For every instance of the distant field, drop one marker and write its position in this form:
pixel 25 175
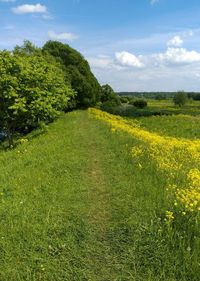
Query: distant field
pixel 182 123
pixel 181 126
pixel 192 107
pixel 155 107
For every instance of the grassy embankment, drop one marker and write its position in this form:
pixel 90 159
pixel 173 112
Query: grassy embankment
pixel 75 205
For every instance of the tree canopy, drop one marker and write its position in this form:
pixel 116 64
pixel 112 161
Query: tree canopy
pixel 31 91
pixel 37 84
pixel 78 72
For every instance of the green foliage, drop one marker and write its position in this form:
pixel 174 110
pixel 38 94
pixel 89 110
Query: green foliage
pixel 26 49
pixel 160 97
pixel 180 98
pixel 124 99
pixel 78 71
pixel 140 103
pixel 131 101
pixel 108 96
pixel 31 91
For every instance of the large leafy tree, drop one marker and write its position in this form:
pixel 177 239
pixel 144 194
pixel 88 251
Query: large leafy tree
pixel 31 91
pixel 78 71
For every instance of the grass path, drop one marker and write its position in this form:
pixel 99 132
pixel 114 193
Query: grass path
pixel 75 206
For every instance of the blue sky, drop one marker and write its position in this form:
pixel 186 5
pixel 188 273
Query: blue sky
pixel 134 45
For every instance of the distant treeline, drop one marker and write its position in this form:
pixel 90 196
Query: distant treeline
pixel 158 95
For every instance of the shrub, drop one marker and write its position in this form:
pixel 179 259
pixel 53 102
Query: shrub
pixel 124 100
pixel 180 98
pixel 140 103
pixel 131 101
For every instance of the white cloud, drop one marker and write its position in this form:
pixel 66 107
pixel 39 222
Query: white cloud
pixel 153 2
pixel 104 62
pixel 177 56
pixel 176 41
pixel 30 9
pixel 159 74
pixel 62 36
pixel 128 59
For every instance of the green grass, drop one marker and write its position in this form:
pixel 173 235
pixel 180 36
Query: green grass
pixel 76 206
pixel 184 126
pixel 168 107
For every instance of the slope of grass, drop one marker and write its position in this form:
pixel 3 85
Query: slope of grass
pixel 76 206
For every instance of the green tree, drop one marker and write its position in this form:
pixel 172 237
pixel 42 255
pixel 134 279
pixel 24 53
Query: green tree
pixel 27 48
pixel 78 72
pixel 108 95
pixel 180 98
pixel 31 91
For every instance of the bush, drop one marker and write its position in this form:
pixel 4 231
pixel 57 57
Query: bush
pixel 180 98
pixel 109 104
pixel 124 99
pixel 131 101
pixel 140 103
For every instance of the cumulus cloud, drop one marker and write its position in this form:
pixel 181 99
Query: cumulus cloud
pixel 177 56
pixel 128 59
pixel 176 41
pixel 62 36
pixel 30 9
pixel 104 62
pixel 159 74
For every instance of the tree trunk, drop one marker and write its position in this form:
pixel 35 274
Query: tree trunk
pixel 10 138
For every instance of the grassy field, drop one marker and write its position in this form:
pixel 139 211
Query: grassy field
pixel 157 108
pixel 76 205
pixel 191 108
pixel 184 126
